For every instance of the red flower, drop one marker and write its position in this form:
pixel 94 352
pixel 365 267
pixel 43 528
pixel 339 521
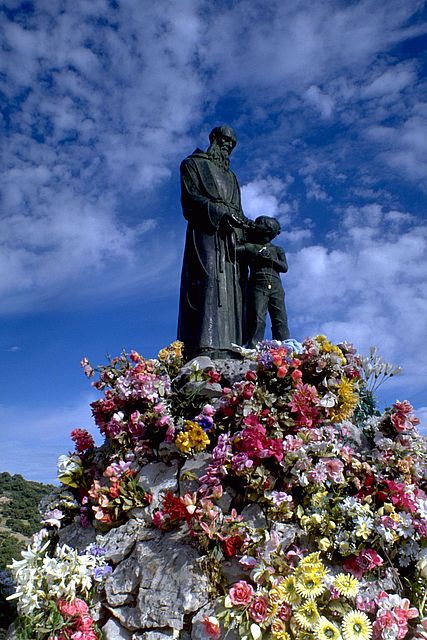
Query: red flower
pixel 82 439
pixel 214 376
pixel 174 508
pixel 367 560
pixel 231 545
pixel 251 376
pixel 211 627
pixel 248 391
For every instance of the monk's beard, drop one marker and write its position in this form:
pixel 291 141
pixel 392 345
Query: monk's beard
pixel 219 156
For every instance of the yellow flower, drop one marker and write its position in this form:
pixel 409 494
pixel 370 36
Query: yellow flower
pixel 346 585
pixel 177 347
pixel 307 616
pixel 356 626
pixel 198 438
pixel 363 530
pixel 289 592
pixel 347 401
pixel 318 498
pixel 310 585
pixel 193 438
pixel 328 347
pixel 163 355
pixel 182 442
pixel 324 544
pixel 326 630
pixel 276 595
pixel 311 564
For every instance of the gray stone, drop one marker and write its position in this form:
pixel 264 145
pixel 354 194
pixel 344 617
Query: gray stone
pixel 201 363
pixel 113 630
pixel 156 635
pixel 254 516
pixel 165 581
pixel 119 542
pixel 169 453
pixel 193 468
pixel 232 571
pixel 234 370
pixel 76 536
pixel 11 633
pixel 158 478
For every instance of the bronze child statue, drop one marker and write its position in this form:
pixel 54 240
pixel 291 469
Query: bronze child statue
pixel 265 291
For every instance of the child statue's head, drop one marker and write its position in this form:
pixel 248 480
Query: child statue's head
pixel 266 228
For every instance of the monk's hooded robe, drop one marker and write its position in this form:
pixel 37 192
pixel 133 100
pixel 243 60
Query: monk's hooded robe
pixel 210 310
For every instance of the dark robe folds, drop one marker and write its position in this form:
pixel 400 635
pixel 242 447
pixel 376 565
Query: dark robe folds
pixel 210 310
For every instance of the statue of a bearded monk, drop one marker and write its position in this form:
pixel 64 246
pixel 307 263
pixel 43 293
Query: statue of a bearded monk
pixel 210 310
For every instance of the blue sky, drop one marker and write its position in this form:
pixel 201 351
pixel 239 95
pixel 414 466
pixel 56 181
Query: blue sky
pixel 101 102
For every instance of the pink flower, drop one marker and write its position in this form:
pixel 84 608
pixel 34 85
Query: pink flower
pixel 402 419
pixel 84 635
pixel 282 371
pixel 296 375
pixel 84 622
pixel 258 609
pixel 334 469
pixel 211 627
pixel 248 390
pixel 73 608
pixel 405 611
pixel 384 621
pixel 367 560
pixel 241 593
pixel 208 410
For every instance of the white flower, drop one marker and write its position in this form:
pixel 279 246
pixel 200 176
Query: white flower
pixel 422 564
pixel 68 467
pixel 422 508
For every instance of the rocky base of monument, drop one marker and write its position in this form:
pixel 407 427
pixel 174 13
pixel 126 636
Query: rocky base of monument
pixel 265 497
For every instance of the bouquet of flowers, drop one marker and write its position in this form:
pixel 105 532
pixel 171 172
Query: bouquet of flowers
pixel 53 590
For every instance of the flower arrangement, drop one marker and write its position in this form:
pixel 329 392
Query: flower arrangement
pixel 339 550
pixel 53 590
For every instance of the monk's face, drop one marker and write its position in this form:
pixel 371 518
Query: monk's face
pixel 225 143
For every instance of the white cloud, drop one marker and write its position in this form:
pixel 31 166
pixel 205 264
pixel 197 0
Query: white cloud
pixel 390 82
pixel 369 286
pixel 404 146
pixel 421 413
pixel 321 101
pixel 301 44
pixel 265 197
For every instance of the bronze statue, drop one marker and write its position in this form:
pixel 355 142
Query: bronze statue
pixel 265 291
pixel 210 310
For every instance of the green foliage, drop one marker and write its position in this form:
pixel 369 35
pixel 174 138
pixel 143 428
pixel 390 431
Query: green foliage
pixel 19 513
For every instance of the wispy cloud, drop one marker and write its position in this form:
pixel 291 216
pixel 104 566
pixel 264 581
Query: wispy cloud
pixel 84 139
pixel 368 285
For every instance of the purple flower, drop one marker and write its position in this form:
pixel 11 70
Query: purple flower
pixel 241 461
pixel 205 422
pixel 100 573
pixel 94 550
pixel 278 497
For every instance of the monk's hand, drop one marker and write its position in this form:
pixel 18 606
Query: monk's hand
pixel 233 221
